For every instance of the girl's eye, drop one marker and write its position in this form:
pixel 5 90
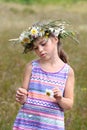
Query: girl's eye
pixel 44 43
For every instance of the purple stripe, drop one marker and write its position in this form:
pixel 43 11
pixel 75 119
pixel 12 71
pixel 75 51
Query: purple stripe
pixel 39 125
pixel 28 110
pixel 56 75
pixel 46 104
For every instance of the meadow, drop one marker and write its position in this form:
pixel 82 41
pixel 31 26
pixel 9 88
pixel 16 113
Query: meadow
pixel 43 1
pixel 14 18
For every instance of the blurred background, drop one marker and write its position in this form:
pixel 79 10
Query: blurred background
pixel 16 16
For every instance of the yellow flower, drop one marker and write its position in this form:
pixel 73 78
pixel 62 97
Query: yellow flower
pixel 34 31
pixel 47 34
pixel 46 37
pixel 26 40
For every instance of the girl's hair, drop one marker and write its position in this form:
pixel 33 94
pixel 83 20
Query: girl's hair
pixel 63 56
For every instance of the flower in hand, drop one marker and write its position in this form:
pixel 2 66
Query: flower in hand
pixel 21 95
pixel 49 93
pixel 57 93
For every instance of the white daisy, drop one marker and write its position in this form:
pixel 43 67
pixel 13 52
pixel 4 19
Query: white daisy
pixel 49 93
pixel 51 29
pixel 23 36
pixel 57 32
pixel 34 32
pixel 41 32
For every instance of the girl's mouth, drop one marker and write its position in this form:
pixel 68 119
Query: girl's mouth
pixel 43 55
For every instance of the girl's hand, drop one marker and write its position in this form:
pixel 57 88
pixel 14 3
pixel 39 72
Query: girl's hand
pixel 57 94
pixel 21 95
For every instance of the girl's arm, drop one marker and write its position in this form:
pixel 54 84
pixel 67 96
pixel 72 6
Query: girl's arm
pixel 27 75
pixel 21 93
pixel 66 102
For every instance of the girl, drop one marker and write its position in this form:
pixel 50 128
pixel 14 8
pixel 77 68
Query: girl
pixel 48 85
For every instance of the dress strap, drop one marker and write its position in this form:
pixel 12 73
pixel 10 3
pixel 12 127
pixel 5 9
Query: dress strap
pixel 35 66
pixel 35 63
pixel 66 70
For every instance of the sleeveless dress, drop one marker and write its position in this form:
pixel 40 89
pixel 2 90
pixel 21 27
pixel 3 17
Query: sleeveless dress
pixel 41 112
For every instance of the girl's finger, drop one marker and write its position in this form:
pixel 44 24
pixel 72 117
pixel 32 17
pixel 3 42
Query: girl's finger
pixel 22 91
pixel 19 93
pixel 19 96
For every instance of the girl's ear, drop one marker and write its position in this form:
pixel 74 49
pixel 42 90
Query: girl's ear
pixel 55 39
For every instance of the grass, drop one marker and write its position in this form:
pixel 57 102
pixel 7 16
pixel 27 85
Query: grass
pixel 14 18
pixel 43 2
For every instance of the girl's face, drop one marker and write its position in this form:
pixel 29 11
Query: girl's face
pixel 45 48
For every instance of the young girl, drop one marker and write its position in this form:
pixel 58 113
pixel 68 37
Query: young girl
pixel 48 85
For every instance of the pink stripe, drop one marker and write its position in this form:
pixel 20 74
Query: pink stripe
pixel 21 128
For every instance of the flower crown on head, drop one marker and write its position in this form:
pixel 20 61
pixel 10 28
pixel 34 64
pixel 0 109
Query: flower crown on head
pixel 56 28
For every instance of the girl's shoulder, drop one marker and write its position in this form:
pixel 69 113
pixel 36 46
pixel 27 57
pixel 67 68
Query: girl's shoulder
pixel 28 67
pixel 71 70
pixel 70 74
pixel 30 64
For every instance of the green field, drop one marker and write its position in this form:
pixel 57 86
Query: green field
pixel 43 1
pixel 14 18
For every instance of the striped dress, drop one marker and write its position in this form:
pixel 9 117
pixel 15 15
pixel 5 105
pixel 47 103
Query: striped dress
pixel 41 112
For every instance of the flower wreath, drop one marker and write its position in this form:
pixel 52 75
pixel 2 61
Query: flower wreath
pixel 57 28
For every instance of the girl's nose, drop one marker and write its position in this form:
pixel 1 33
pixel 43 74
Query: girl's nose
pixel 40 48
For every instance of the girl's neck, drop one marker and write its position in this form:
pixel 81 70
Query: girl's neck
pixel 51 65
pixel 51 61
